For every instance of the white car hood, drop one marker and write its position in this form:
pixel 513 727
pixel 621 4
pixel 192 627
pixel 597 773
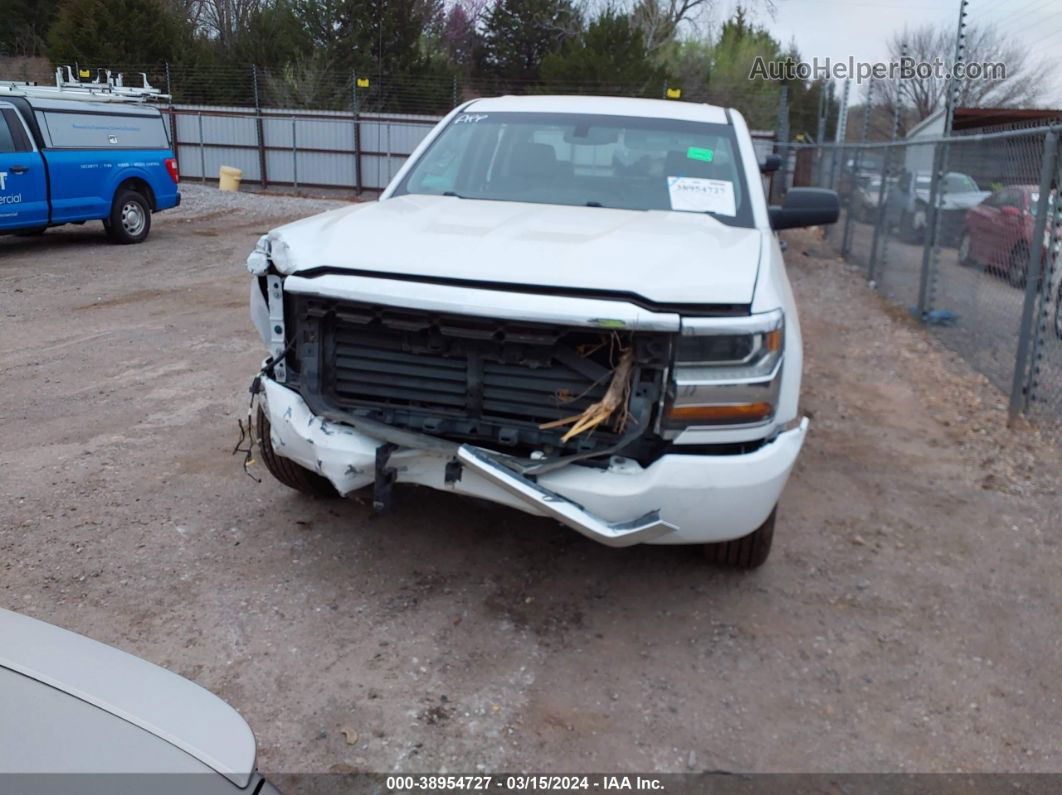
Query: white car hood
pixel 665 257
pixel 956 201
pixel 160 702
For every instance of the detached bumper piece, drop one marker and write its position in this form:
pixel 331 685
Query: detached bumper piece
pixel 613 534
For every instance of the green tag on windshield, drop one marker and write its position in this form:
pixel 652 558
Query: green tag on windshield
pixel 696 153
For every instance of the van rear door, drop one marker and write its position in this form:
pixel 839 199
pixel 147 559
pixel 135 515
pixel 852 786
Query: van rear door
pixel 23 182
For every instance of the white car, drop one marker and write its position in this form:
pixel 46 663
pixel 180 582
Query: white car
pixel 81 717
pixel 575 306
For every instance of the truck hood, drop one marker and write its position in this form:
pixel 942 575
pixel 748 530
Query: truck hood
pixel 664 257
pixel 956 201
pixel 163 704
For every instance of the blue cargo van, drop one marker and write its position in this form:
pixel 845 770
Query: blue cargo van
pixel 66 160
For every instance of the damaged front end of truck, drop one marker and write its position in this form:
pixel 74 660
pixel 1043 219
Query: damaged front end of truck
pixel 501 399
pixel 556 403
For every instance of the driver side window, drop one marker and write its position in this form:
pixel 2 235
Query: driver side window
pixel 13 137
pixel 7 140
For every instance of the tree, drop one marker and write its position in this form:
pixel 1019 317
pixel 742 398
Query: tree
pixel 740 43
pixel 225 21
pixel 659 20
pixel 459 38
pixel 920 97
pixel 519 34
pixel 269 36
pixel 101 32
pixel 717 71
pixel 611 51
pixel 371 36
pixel 25 26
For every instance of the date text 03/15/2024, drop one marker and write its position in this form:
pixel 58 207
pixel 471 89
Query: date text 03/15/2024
pixel 523 782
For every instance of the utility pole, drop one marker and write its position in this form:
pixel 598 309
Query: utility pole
pixel 876 244
pixel 839 136
pixel 825 100
pixel 868 100
pixel 940 167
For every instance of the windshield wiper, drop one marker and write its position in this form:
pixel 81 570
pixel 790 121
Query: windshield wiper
pixel 455 195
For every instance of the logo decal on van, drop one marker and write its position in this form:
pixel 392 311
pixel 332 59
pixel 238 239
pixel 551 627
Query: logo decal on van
pixel 15 198
pixel 112 139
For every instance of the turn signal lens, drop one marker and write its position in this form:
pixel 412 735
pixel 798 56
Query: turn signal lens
pixel 738 413
pixel 772 340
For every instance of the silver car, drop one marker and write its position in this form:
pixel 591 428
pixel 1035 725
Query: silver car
pixel 85 718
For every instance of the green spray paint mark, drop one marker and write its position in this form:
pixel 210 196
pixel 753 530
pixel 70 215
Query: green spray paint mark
pixel 696 153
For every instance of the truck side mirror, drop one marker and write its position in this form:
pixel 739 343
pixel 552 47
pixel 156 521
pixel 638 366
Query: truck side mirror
pixel 770 164
pixel 806 207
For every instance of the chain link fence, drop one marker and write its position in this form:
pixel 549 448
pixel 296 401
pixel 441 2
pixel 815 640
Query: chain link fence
pixel 963 233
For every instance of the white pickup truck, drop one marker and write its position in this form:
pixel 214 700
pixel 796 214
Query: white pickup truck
pixel 574 306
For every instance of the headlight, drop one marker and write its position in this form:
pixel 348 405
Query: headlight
pixel 258 260
pixel 727 371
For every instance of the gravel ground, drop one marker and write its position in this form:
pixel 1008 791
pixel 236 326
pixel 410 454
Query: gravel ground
pixel 202 203
pixel 907 620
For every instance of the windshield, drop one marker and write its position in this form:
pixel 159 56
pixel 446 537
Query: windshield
pixel 587 161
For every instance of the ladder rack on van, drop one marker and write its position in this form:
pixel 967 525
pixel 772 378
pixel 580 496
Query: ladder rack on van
pixel 105 88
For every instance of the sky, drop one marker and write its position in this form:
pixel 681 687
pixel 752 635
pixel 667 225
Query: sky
pixel 862 28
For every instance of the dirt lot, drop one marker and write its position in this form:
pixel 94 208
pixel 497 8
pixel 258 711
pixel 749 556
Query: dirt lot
pixel 907 620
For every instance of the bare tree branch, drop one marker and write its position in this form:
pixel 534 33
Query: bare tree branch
pixel 920 97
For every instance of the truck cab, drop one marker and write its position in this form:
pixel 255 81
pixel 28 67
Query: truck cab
pixel 71 155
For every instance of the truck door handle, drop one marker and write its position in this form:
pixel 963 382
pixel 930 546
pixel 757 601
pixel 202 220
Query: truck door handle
pixel 19 169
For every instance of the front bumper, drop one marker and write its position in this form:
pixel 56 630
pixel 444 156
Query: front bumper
pixel 678 499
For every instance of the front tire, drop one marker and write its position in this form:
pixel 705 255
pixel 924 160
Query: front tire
pixel 965 257
pixel 907 231
pixel 1018 266
pixel 747 552
pixel 287 471
pixel 130 218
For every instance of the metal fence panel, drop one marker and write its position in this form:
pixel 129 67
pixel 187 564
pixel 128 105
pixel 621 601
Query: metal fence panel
pixel 298 147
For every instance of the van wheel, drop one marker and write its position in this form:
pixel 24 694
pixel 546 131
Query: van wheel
pixel 287 471
pixel 747 552
pixel 130 218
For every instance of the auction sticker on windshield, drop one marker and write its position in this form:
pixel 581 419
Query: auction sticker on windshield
pixel 696 195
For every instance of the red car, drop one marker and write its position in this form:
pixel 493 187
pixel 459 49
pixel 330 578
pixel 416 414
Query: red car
pixel 998 232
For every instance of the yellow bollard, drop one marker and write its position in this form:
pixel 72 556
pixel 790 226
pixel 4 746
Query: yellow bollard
pixel 229 178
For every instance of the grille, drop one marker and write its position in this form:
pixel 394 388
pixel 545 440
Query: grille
pixel 464 377
pixel 468 369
